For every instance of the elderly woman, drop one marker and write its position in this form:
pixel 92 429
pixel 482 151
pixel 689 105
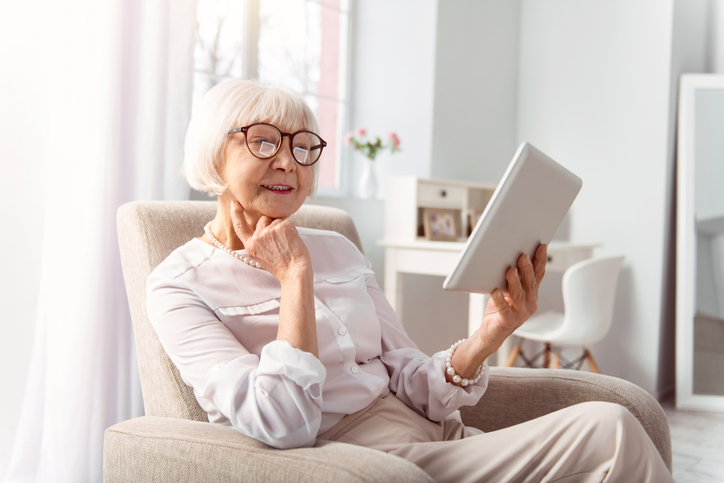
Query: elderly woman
pixel 284 334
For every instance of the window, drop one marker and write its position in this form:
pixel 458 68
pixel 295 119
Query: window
pixel 299 44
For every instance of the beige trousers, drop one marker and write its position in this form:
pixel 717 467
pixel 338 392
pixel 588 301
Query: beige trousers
pixel 588 442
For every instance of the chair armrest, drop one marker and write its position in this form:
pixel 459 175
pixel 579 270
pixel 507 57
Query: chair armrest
pixel 516 395
pixel 155 449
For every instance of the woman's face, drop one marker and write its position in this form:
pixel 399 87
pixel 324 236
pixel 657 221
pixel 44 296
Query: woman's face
pixel 275 187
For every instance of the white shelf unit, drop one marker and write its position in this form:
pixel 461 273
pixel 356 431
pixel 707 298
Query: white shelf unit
pixel 408 196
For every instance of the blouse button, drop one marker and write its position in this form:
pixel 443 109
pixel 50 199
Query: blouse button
pixel 355 369
pixel 342 331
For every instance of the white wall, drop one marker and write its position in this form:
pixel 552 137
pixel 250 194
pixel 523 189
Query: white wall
pixel 594 91
pixel 597 92
pixel 691 50
pixel 473 138
pixel 443 74
pixel 716 41
pixel 393 54
pixel 476 65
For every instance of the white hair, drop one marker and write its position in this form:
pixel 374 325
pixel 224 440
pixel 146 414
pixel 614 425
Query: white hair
pixel 230 105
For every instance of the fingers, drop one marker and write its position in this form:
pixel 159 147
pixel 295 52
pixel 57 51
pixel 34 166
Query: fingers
pixel 527 272
pixel 515 287
pixel 264 222
pixel 539 263
pixel 499 300
pixel 241 227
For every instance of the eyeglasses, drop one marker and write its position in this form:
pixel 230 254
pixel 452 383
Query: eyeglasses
pixel 265 140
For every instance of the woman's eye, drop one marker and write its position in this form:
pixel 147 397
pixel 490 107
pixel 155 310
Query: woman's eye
pixel 260 141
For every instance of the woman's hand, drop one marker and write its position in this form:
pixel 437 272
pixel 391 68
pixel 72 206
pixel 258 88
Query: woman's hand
pixel 275 244
pixel 504 313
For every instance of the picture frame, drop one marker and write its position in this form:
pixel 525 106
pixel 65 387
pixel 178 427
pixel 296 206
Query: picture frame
pixel 473 217
pixel 440 224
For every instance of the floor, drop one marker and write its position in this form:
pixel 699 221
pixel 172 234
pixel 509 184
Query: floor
pixel 697 438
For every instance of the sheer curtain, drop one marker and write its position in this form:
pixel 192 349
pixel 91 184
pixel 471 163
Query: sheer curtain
pixel 119 98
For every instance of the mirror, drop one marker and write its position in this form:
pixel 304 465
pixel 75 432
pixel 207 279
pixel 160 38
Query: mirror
pixel 700 244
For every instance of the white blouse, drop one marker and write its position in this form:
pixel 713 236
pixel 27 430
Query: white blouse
pixel 217 319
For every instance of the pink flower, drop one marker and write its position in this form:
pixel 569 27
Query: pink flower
pixel 360 132
pixel 347 138
pixel 394 139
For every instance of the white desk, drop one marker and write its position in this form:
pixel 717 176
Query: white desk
pixel 439 258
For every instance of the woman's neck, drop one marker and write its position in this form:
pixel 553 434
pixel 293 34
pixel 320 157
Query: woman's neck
pixel 223 230
pixel 222 227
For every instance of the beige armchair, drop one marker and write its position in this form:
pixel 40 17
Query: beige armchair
pixel 174 441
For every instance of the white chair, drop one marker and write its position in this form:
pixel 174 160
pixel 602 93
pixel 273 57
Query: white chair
pixel 588 288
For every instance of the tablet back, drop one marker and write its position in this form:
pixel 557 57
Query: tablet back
pixel 525 210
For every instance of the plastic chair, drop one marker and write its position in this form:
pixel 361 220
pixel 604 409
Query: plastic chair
pixel 589 288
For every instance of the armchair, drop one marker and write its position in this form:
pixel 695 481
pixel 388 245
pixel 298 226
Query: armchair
pixel 174 441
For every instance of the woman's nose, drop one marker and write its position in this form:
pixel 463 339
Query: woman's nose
pixel 284 160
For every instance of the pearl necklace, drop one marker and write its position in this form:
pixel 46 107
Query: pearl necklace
pixel 228 250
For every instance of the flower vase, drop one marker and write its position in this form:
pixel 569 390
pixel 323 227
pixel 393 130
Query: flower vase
pixel 368 181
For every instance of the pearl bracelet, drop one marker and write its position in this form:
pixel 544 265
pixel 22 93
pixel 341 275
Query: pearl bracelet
pixel 451 370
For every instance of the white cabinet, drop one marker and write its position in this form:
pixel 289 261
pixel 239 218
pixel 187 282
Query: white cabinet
pixel 407 198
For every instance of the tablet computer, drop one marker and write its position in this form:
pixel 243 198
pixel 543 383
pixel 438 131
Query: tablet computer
pixel 525 210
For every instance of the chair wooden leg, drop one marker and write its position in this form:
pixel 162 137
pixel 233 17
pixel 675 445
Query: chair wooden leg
pixel 591 362
pixel 556 364
pixel 547 356
pixel 513 356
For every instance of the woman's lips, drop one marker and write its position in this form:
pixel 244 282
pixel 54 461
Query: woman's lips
pixel 280 189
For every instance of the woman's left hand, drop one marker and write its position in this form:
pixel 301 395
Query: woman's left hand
pixel 504 313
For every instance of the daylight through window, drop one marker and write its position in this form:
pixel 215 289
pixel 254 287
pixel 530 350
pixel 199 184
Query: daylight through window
pixel 299 44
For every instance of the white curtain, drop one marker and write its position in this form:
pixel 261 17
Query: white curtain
pixel 119 89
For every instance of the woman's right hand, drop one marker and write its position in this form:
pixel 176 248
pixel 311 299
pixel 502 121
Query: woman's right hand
pixel 274 243
pixel 279 249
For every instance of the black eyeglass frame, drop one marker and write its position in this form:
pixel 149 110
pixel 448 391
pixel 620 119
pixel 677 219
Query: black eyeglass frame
pixel 283 135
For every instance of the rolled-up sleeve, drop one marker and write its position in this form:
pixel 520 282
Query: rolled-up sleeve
pixel 275 397
pixel 417 379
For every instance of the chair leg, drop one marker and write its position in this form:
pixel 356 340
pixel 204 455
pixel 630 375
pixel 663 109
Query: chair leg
pixel 591 362
pixel 547 356
pixel 513 356
pixel 556 364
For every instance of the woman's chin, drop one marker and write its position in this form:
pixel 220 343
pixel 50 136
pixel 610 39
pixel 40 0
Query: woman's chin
pixel 282 210
pixel 278 213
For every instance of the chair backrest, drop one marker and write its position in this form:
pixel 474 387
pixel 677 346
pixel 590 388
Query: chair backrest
pixel 589 288
pixel 148 231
